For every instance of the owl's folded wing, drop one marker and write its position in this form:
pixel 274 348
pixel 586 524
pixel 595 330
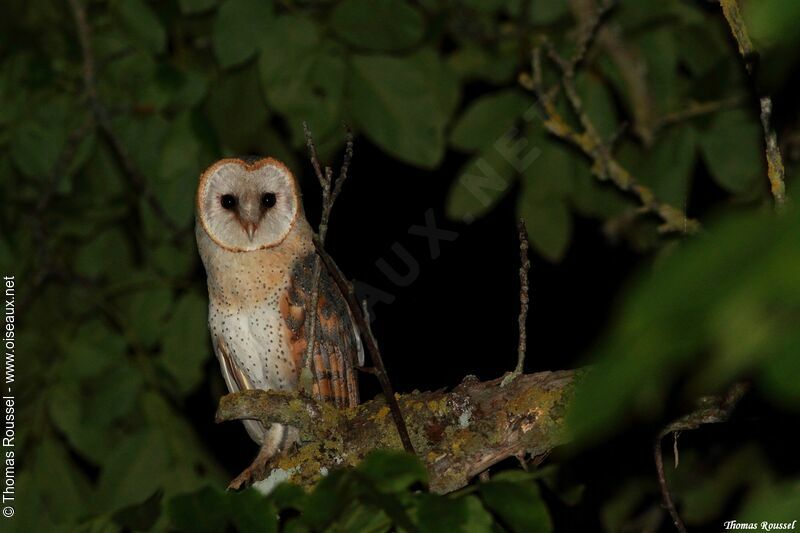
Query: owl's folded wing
pixel 237 381
pixel 337 348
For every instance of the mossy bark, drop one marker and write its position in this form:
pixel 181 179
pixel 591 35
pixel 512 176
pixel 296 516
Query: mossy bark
pixel 457 434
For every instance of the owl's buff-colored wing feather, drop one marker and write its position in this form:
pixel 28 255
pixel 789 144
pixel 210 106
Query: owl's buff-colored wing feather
pixel 338 348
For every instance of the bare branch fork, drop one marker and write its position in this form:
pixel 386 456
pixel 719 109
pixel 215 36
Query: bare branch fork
pixel 589 141
pixel 330 191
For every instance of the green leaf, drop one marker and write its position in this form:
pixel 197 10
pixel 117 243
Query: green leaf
pixel 544 12
pixel 201 511
pixel 288 496
pixel 191 7
pixel 302 76
pixel 769 23
pixel 69 498
pixel 238 28
pixel 391 101
pixel 180 150
pixel 735 274
pixel 330 497
pixel 361 518
pixel 193 466
pixel 549 225
pixel 778 503
pixel 236 110
pixel 732 149
pixel 184 351
pixel 482 182
pixel 554 169
pixel 593 198
pixel 178 168
pixel 107 254
pixel 134 471
pixel 669 165
pixel 252 513
pixel 488 6
pixel 147 134
pixel 598 105
pixel 382 25
pixel 702 498
pixel 658 49
pixel 392 471
pixel 440 513
pixel 780 350
pixel 442 81
pixel 488 119
pixel 496 66
pixel 518 505
pixel 142 24
pixel 144 312
pixel 141 517
pixel 35 148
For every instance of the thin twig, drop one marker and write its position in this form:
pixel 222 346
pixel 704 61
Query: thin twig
pixel 104 121
pixel 524 267
pixel 697 109
pixel 665 494
pixel 775 170
pixel 362 322
pixel 714 410
pixel 330 191
pixel 604 166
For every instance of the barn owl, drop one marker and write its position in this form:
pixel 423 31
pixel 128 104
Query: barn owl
pixel 258 253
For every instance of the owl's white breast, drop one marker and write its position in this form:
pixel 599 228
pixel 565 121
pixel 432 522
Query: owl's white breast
pixel 245 289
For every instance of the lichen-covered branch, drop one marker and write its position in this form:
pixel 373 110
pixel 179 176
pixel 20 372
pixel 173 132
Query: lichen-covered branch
pixel 775 170
pixel 588 140
pixel 457 434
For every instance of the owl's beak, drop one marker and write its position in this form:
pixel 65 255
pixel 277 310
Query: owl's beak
pixel 250 228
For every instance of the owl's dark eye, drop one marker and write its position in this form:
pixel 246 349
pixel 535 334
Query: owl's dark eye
pixel 228 201
pixel 268 200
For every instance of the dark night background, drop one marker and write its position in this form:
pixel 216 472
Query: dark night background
pixel 117 385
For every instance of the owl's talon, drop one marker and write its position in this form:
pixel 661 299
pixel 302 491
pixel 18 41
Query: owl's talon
pixel 256 471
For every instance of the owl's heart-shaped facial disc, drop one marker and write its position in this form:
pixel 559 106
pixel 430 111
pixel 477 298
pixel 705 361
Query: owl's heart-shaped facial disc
pixel 246 206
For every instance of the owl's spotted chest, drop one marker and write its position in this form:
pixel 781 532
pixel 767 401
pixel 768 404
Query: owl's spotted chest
pixel 245 316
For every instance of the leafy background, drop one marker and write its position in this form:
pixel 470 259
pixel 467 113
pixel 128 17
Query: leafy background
pixel 115 379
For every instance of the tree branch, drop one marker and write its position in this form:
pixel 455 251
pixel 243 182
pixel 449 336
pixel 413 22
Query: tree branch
pixel 775 170
pixel 457 434
pixel 589 141
pixel 103 120
pixel 713 410
pixel 330 191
